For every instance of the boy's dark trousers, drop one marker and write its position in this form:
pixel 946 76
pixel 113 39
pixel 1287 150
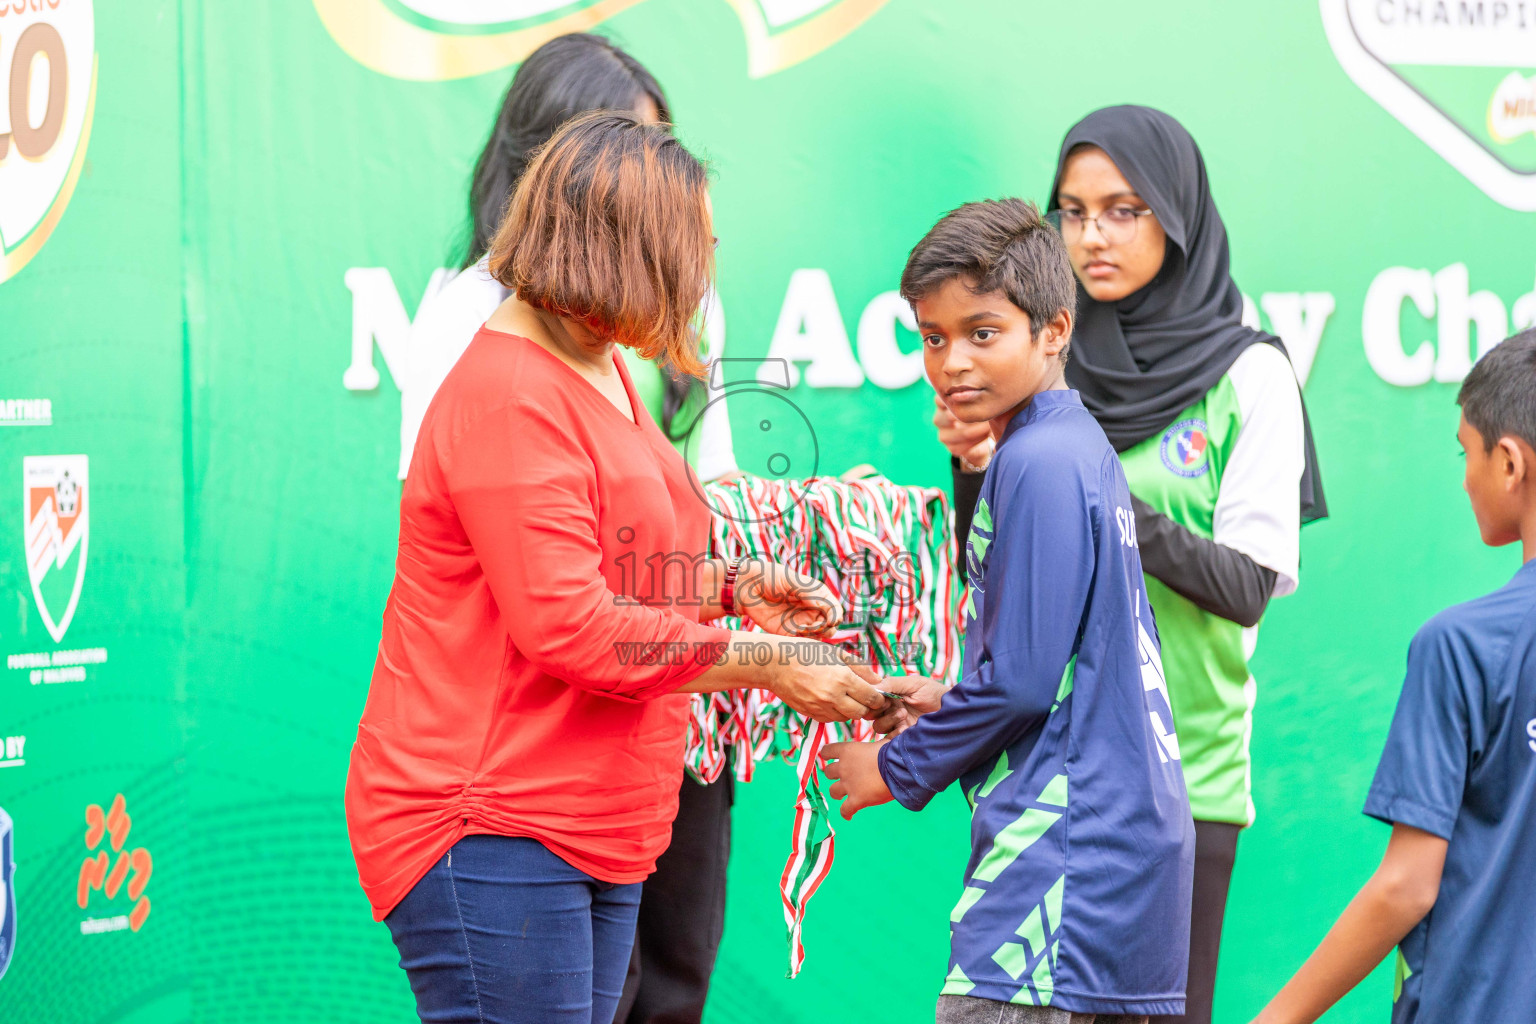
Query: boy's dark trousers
pixel 1215 852
pixel 682 912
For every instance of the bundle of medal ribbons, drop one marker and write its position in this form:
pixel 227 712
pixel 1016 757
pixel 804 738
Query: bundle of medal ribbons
pixel 887 554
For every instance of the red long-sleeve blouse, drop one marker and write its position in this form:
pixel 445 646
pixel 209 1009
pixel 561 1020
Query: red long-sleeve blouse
pixel 502 700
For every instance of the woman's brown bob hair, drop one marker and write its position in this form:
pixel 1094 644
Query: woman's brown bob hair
pixel 609 227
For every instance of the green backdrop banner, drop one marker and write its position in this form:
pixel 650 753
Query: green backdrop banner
pixel 217 220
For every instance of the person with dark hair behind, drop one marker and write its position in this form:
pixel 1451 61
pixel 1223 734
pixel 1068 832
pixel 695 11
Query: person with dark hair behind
pixel 569 75
pixel 1457 780
pixel 1208 420
pixel 682 918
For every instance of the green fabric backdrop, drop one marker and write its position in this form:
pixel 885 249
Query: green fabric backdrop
pixel 259 187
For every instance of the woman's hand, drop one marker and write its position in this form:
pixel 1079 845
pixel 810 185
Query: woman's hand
pixel 810 676
pixel 919 696
pixel 971 443
pixel 786 602
pixel 812 681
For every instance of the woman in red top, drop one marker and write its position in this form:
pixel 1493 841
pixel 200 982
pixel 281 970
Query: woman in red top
pixel 516 769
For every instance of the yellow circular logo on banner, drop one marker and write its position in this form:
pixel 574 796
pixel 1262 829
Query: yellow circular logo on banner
pixel 47 98
pixel 430 40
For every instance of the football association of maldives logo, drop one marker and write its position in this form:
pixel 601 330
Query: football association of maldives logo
pixel 1185 446
pixel 56 505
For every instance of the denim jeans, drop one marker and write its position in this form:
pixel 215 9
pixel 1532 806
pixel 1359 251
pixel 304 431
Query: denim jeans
pixel 501 931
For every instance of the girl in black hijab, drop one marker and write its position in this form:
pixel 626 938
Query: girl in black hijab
pixel 1208 420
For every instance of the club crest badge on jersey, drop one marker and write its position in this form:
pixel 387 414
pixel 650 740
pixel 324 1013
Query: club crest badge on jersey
pixel 1186 447
pixel 56 511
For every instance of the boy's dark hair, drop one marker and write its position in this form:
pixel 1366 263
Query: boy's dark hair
pixel 1498 398
pixel 1002 245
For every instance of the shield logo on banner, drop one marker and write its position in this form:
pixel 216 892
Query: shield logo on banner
pixel 430 40
pixel 1459 74
pixel 56 507
pixel 7 891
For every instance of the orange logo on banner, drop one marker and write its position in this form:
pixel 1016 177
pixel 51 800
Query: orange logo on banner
pixel 47 104
pixel 132 866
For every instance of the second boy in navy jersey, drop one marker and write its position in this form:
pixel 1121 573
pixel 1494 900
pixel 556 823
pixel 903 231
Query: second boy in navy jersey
pixel 1077 894
pixel 1457 780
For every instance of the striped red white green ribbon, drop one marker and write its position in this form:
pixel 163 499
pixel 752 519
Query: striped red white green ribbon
pixel 810 858
pixel 887 554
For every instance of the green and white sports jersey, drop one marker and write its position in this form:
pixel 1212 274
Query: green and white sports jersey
pixel 1228 468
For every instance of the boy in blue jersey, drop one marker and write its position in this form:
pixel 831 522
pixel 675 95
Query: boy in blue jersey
pixel 1076 898
pixel 1457 782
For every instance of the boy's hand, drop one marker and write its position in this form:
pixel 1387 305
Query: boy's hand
pixel 919 696
pixel 971 443
pixel 856 768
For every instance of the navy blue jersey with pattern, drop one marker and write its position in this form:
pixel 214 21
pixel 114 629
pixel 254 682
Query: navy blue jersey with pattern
pixel 1060 732
pixel 1460 762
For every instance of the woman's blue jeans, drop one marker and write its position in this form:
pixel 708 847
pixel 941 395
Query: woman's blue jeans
pixel 501 931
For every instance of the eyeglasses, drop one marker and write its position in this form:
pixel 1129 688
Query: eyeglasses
pixel 1117 224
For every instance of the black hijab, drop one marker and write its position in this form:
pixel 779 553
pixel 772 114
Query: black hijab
pixel 1139 362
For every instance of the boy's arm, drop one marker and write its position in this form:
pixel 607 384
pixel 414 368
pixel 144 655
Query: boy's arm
pixel 1418 789
pixel 1387 907
pixel 1038 575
